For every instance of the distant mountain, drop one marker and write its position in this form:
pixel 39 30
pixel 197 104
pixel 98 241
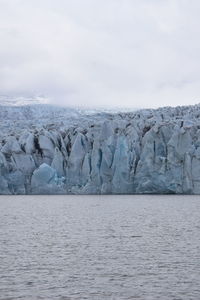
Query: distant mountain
pixel 22 100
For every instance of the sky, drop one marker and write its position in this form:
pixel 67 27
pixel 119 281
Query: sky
pixel 101 53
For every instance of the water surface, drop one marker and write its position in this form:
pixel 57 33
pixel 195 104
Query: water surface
pixel 99 247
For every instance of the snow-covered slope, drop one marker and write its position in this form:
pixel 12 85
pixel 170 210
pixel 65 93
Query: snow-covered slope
pixel 22 100
pixel 46 149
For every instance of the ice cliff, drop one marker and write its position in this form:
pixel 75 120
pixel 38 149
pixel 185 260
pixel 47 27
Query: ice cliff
pixel 47 150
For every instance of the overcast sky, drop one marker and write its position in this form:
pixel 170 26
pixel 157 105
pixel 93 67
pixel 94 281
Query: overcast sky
pixel 129 53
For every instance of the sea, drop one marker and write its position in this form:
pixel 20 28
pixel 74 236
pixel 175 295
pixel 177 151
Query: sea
pixel 100 247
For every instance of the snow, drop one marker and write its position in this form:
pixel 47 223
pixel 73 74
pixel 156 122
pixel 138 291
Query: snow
pixel 22 100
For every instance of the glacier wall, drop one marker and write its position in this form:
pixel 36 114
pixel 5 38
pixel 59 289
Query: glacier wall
pixel 147 151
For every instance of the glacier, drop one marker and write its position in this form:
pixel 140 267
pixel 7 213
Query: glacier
pixel 46 149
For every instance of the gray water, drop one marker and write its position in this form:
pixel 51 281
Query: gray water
pixel 93 247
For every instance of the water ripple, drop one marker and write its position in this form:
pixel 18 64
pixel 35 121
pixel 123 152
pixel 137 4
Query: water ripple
pixel 92 247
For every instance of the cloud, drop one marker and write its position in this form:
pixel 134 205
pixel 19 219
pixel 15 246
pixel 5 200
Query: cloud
pixel 133 53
